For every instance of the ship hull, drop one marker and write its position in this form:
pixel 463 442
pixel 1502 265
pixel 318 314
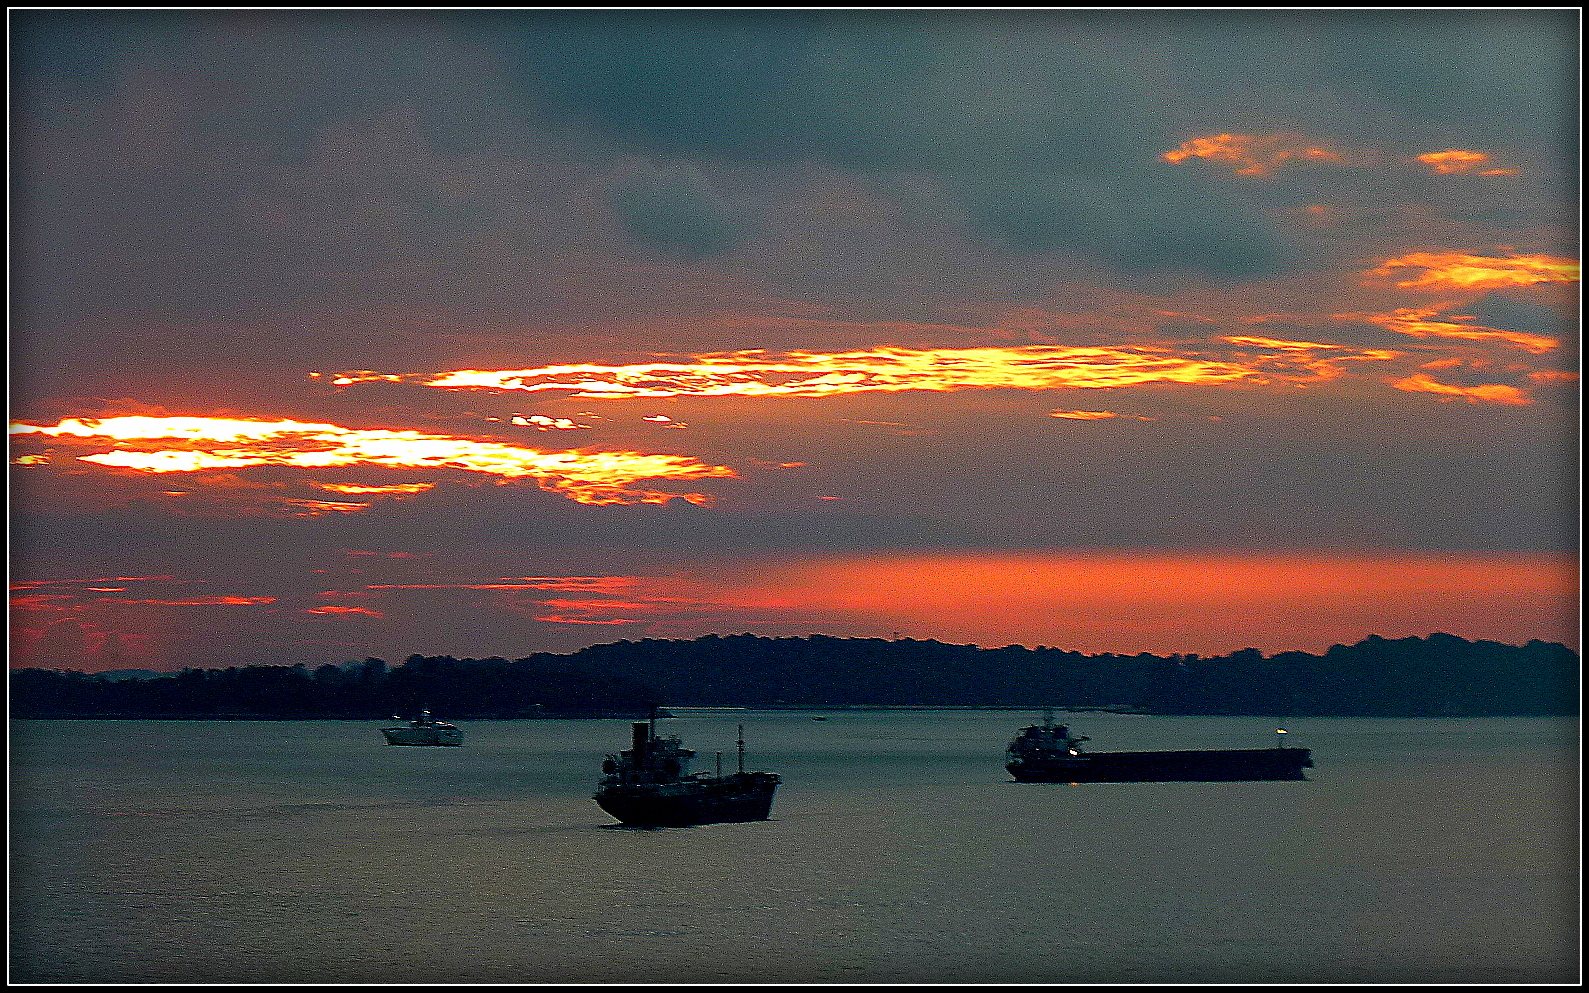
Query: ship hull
pixel 731 799
pixel 1224 765
pixel 422 736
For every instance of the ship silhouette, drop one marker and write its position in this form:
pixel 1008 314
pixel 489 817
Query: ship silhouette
pixel 649 784
pixel 1049 753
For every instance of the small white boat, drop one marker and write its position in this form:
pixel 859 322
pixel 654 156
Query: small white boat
pixel 423 730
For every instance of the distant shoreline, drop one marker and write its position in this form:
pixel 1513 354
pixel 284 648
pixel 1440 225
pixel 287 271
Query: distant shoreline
pixel 1438 676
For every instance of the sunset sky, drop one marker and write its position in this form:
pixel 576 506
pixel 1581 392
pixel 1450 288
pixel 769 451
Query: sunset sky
pixel 347 335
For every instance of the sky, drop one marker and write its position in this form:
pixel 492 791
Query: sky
pixel 339 335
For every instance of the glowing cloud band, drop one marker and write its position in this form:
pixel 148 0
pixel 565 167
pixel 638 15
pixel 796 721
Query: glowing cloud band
pixel 1260 155
pixel 1084 415
pixel 1457 160
pixel 1484 393
pixel 1251 155
pixel 223 443
pixel 1416 323
pixel 810 374
pixel 1462 271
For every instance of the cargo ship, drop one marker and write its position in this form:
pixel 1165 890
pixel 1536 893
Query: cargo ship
pixel 423 730
pixel 1049 753
pixel 649 785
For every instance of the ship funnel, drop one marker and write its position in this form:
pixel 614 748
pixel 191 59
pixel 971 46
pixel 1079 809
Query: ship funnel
pixel 642 734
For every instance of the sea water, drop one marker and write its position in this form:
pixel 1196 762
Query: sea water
pixel 899 850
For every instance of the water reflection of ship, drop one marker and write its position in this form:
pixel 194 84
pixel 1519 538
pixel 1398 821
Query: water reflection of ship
pixel 649 785
pixel 1049 753
pixel 423 730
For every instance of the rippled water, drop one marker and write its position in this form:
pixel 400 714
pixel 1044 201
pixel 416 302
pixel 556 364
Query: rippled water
pixel 898 851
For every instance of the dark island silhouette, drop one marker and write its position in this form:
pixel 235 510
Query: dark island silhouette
pixel 1438 676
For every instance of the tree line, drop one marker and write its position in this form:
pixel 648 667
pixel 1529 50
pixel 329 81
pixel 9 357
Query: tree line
pixel 1442 675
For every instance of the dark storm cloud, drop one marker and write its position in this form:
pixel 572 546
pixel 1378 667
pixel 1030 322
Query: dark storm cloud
pixel 298 160
pixel 1176 224
pixel 679 210
pixel 275 79
pixel 64 55
pixel 1048 127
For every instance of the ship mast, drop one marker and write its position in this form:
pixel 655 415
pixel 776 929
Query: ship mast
pixel 742 749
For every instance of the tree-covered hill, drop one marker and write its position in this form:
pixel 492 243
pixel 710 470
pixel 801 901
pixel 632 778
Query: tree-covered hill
pixel 1441 675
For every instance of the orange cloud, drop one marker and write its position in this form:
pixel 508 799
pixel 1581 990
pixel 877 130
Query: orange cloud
pixel 1415 322
pixel 340 611
pixel 33 584
pixel 315 507
pixel 582 584
pixel 197 601
pixel 398 489
pixel 1456 160
pixel 1462 271
pixel 193 444
pixel 566 619
pixel 580 600
pixel 541 422
pixel 1301 361
pixel 1252 155
pixel 1487 393
pixel 1084 415
pixel 758 373
pixel 1095 415
pixel 79 593
pixel 810 374
pixel 601 612
pixel 1278 344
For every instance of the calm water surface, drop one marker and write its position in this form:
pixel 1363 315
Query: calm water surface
pixel 899 851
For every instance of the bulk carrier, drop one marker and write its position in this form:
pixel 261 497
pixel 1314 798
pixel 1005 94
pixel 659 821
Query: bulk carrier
pixel 1049 753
